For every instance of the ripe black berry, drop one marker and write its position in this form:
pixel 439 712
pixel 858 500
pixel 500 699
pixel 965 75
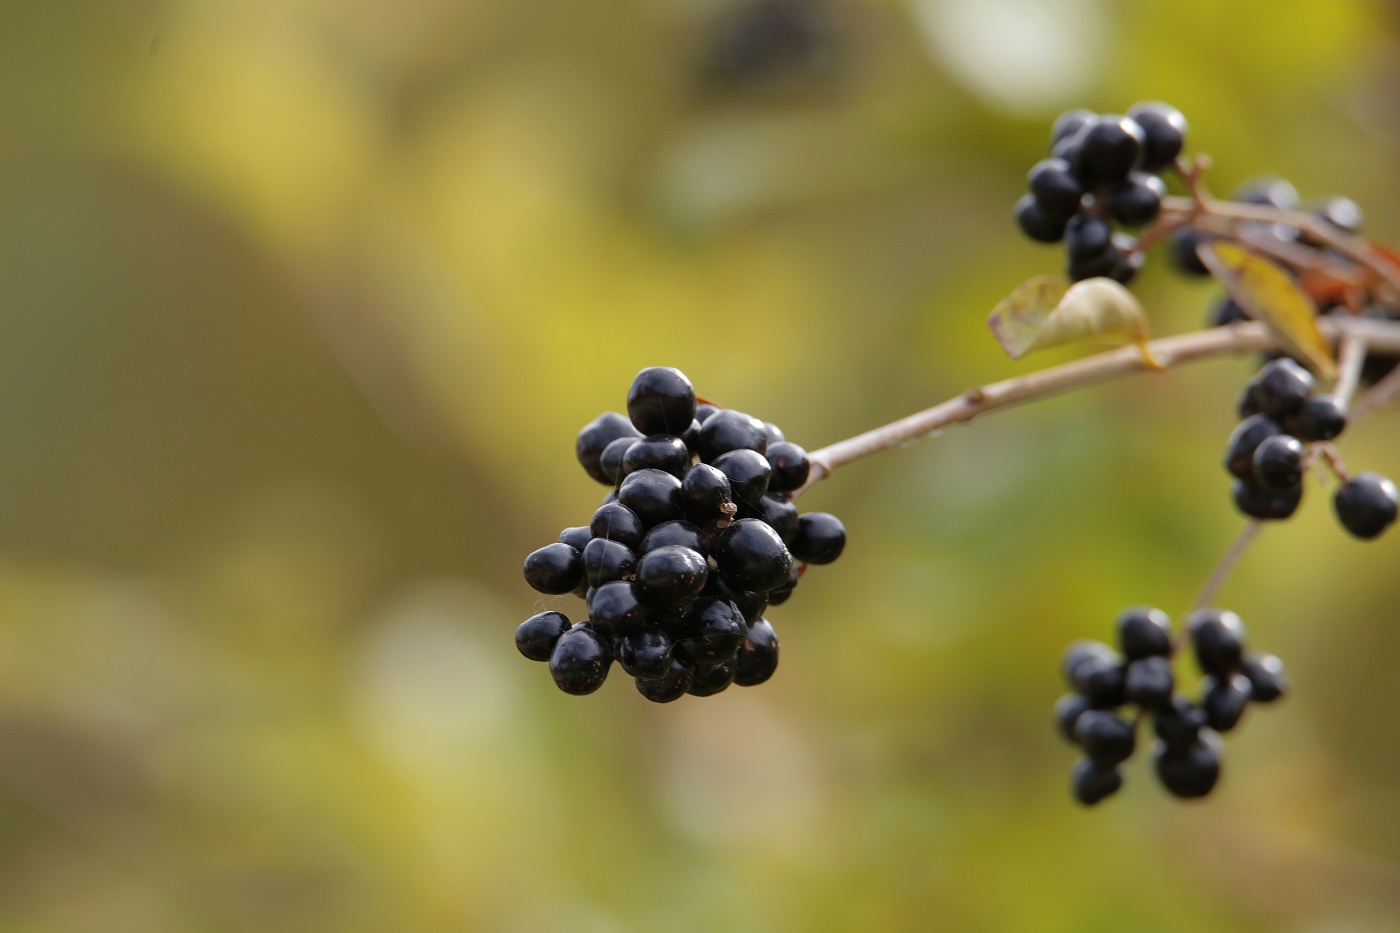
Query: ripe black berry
pixel 580 661
pixel 1225 700
pixel 1105 737
pixel 610 463
pixel 775 433
pixel 728 430
pixel 1036 223
pixel 1190 771
pixel 646 653
pixel 820 538
pixel 1109 148
pixel 682 533
pixel 661 401
pixel 1144 632
pixel 538 634
pixel 605 561
pixel 1342 213
pixel 1179 724
pixel 1183 247
pixel 1069 123
pixel 616 609
pixel 671 575
pixel 1103 679
pixel 1081 651
pixel 616 522
pixel 705 494
pixel 713 631
pixel 1365 504
pixel 751 554
pixel 1263 504
pixel 576 538
pixel 553 569
pixel 1278 463
pixel 1217 635
pixel 782 515
pixel 758 655
pixel 1087 238
pixel 1091 782
pixel 712 678
pixel 1267 679
pixel 1138 200
pixel 1226 311
pixel 672 685
pixel 653 494
pixel 1320 418
pixel 664 452
pixel 1164 134
pixel 1278 389
pixel 748 473
pixel 750 602
pixel 1055 189
pixel 1244 440
pixel 596 435
pixel 1149 683
pixel 790 466
pixel 1068 709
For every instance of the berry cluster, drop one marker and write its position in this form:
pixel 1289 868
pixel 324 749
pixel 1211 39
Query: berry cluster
pixel 1285 425
pixel 1186 754
pixel 682 558
pixel 1103 169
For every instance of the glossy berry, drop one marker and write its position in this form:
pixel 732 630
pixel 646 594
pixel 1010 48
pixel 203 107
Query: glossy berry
pixel 790 466
pixel 751 603
pixel 1055 189
pixel 664 452
pixel 616 522
pixel 781 515
pixel 1102 679
pixel 1149 683
pixel 1138 200
pixel 646 653
pixel 712 678
pixel 775 433
pixel 1320 418
pixel 1068 709
pixel 681 533
pixel 1082 651
pixel 1217 636
pixel 1105 737
pixel 594 438
pixel 1087 238
pixel 1267 679
pixel 757 659
pixel 1264 504
pixel 1341 213
pixel 731 430
pixel 1091 782
pixel 1036 223
pixel 661 401
pixel 705 494
pixel 610 464
pixel 1365 504
pixel 537 635
pixel 1184 249
pixel 671 575
pixel 1069 123
pixel 1109 148
pixel 605 561
pixel 751 554
pixel 713 631
pixel 1144 632
pixel 1278 389
pixel 1179 724
pixel 554 569
pixel 1164 134
pixel 616 609
pixel 748 473
pixel 1225 700
pixel 580 661
pixel 820 538
pixel 1278 463
pixel 672 685
pixel 1226 311
pixel 779 595
pixel 1244 440
pixel 576 538
pixel 1191 771
pixel 653 494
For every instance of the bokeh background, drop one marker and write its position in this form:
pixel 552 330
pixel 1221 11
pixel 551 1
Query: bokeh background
pixel 301 305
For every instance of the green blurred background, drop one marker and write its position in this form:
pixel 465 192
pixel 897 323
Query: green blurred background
pixel 301 305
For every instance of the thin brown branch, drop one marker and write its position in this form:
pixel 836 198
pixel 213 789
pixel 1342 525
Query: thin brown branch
pixel 1351 354
pixel 1227 563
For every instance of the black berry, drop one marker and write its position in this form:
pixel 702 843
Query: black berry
pixel 1138 200
pixel 1091 782
pixel 789 465
pixel 1068 709
pixel 605 561
pixel 1191 771
pixel 1267 679
pixel 1179 724
pixel 580 661
pixel 1217 635
pixel 728 430
pixel 1109 148
pixel 820 538
pixel 1184 250
pixel 646 653
pixel 750 602
pixel 576 538
pixel 1320 418
pixel 616 522
pixel 758 655
pixel 1105 737
pixel 1164 134
pixel 1342 213
pixel 751 554
pixel 748 473
pixel 664 452
pixel 1278 389
pixel 1036 223
pixel 671 575
pixel 677 532
pixel 1267 190
pixel 1225 700
pixel 1226 311
pixel 1069 123
pixel 538 634
pixel 1365 504
pixel 594 438
pixel 1055 189
pixel 713 631
pixel 653 494
pixel 610 464
pixel 1264 504
pixel 782 515
pixel 616 609
pixel 553 569
pixel 1144 632
pixel 712 678
pixel 1087 238
pixel 1244 440
pixel 1149 683
pixel 1278 463
pixel 672 685
pixel 705 493
pixel 661 401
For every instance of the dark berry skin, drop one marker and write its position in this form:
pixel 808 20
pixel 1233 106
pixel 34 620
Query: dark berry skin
pixel 615 609
pixel 605 561
pixel 1109 148
pixel 704 494
pixel 1104 737
pixel 1087 238
pixel 751 603
pixel 1365 505
pixel 1225 700
pixel 1278 463
pixel 1036 223
pixel 1164 134
pixel 782 515
pixel 1279 389
pixel 1183 250
pixel 1100 677
pixel 1149 683
pixel 1341 213
pixel 1320 418
pixel 663 452
pixel 554 569
pixel 610 464
pixel 691 438
pixel 671 575
pixel 775 433
pixel 672 685
pixel 646 653
pixel 1264 504
pixel 748 473
pixel 1081 651
pixel 712 678
pixel 790 466
pixel 576 538
pixel 1127 262
pixel 713 631
pixel 1069 123
pixel 731 430
pixel 1226 311
pixel 820 538
pixel 778 596
pixel 1179 725
pixel 594 438
pixel 580 661
pixel 537 635
pixel 1267 679
pixel 1191 771
pixel 1091 782
pixel 616 522
pixel 750 553
pixel 1144 632
pixel 681 533
pixel 704 410
pixel 1138 200
pixel 758 655
pixel 1268 190
pixel 661 401
pixel 1244 440
pixel 1217 635
pixel 653 494
pixel 1055 189
pixel 1068 709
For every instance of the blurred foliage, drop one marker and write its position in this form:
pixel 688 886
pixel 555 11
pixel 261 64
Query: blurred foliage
pixel 303 302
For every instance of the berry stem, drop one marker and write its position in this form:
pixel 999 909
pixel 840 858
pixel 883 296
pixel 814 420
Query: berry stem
pixel 1227 563
pixel 1351 354
pixel 1328 454
pixel 1170 352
